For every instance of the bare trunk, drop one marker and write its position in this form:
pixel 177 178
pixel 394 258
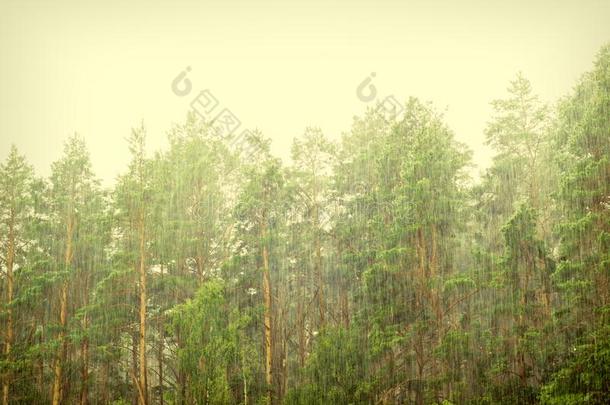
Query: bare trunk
pixel 58 368
pixel 160 354
pixel 134 368
pixel 84 394
pixel 142 344
pixel 435 296
pixel 181 377
pixel 245 386
pixel 546 285
pixel 344 307
pixel 437 305
pixel 320 284
pixel 420 355
pixel 343 293
pixel 522 322
pixel 284 376
pixel 10 259
pixel 420 248
pixel 301 332
pixel 40 363
pixel 63 317
pixel 318 258
pixel 421 362
pixel 161 346
pixel 106 376
pixel 268 322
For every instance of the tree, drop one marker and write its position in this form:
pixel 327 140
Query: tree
pixel 523 172
pixel 259 212
pixel 135 199
pixel 73 187
pixel 373 270
pixel 210 344
pixel 519 133
pixel 526 273
pixel 192 227
pixel 582 277
pixel 313 161
pixel 16 202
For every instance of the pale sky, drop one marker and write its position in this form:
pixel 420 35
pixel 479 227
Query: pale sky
pixel 99 68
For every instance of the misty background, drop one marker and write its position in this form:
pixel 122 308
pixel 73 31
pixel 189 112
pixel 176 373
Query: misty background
pixel 98 69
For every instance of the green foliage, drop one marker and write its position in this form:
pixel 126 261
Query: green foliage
pixel 335 372
pixel 369 271
pixel 208 344
pixel 585 377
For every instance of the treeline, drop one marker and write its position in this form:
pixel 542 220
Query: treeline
pixel 369 271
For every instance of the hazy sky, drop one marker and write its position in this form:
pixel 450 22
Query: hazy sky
pixel 100 68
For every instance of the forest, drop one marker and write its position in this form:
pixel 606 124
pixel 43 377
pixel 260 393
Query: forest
pixel 369 270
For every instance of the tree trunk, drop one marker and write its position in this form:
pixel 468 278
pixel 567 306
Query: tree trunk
pixel 284 380
pixel 58 368
pixel 301 331
pixel 160 355
pixel 84 394
pixel 318 257
pixel 10 259
pixel 420 355
pixel 345 306
pixel 160 358
pixel 40 375
pixel 437 304
pixel 420 359
pixel 435 296
pixel 245 383
pixel 63 317
pixel 267 319
pixel 421 255
pixel 319 282
pixel 105 397
pixel 134 368
pixel 142 344
pixel 343 290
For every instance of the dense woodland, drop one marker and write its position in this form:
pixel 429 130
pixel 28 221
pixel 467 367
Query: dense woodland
pixel 372 270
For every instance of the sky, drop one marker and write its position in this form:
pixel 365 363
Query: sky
pixel 100 68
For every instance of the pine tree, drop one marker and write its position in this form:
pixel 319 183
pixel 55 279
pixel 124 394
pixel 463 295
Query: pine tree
pixel 16 203
pixel 134 198
pixel 72 188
